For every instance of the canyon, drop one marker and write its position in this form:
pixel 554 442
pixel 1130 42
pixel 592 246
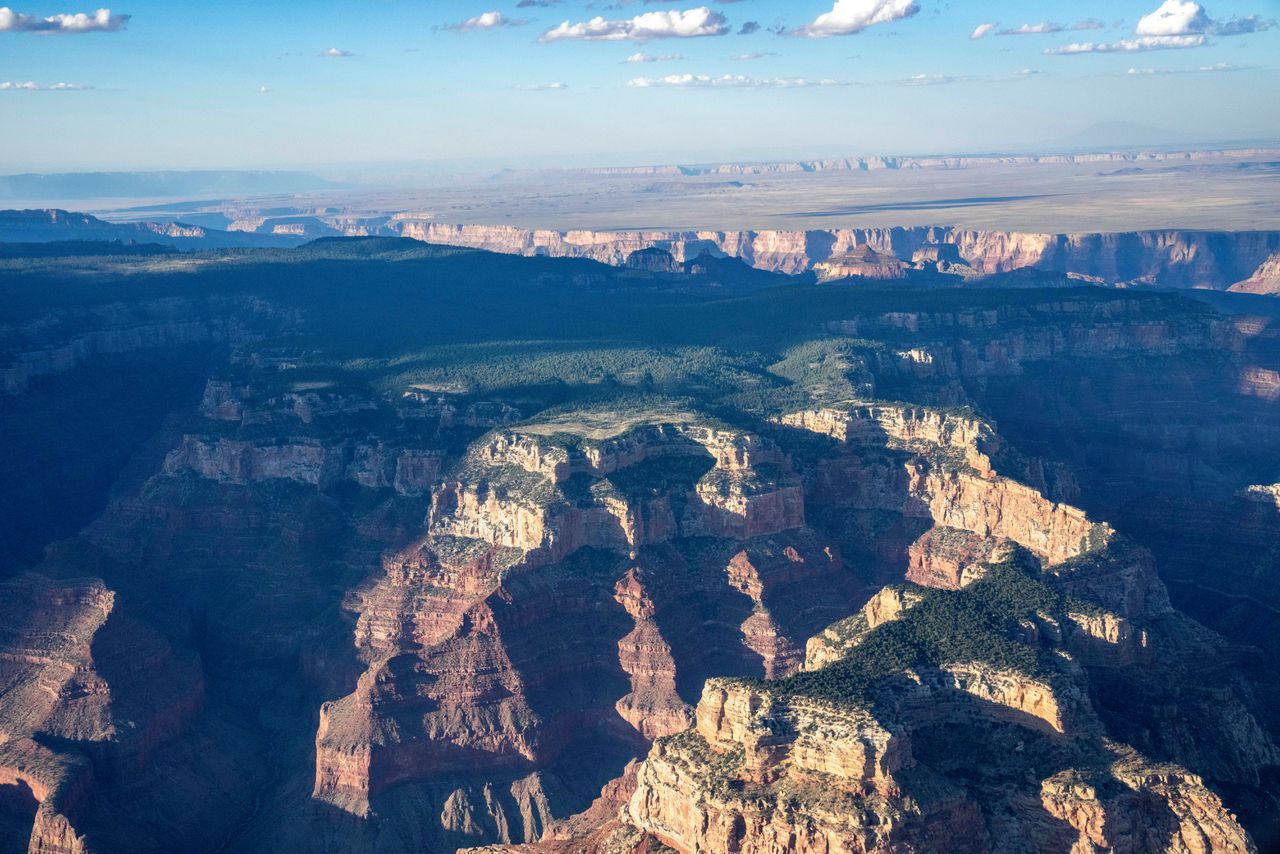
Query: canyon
pixel 491 540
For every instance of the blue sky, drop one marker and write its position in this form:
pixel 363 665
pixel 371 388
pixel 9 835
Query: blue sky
pixel 164 84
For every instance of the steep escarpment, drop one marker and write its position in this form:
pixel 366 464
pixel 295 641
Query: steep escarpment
pixel 89 696
pixel 1179 259
pixel 1166 258
pixel 1265 279
pixel 569 571
pixel 85 386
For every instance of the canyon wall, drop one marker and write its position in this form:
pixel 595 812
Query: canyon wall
pixel 1179 259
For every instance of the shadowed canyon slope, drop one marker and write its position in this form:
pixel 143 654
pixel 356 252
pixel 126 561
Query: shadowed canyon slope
pixel 431 548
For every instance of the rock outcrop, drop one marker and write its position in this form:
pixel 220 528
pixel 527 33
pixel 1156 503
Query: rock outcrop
pixel 773 766
pixel 1265 279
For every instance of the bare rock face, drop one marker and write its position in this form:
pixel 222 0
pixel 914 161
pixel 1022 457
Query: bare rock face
pixel 1171 258
pixel 711 789
pixel 1265 280
pixel 863 262
pixel 946 477
pixel 1263 494
pixel 1156 808
pixel 905 427
pixel 653 706
pixel 63 725
pixel 948 558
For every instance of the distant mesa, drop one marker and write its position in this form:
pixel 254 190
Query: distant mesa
pixel 652 260
pixel 44 226
pixel 863 262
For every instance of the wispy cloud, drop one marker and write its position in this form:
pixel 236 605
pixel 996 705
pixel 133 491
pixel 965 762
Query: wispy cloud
pixel 692 23
pixel 1045 27
pixel 1203 69
pixel 32 86
pixel 751 57
pixel 727 81
pixel 853 16
pixel 982 30
pixel 101 21
pixel 541 87
pixel 636 58
pixel 335 53
pixel 948 79
pixel 934 79
pixel 1144 43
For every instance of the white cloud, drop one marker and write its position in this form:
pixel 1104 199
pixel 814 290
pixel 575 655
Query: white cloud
pixel 32 86
pixel 982 30
pixel 101 21
pixel 726 81
pixel 542 87
pixel 1144 43
pixel 649 57
pixel 749 57
pixel 691 23
pixel 853 16
pixel 335 53
pixel 486 21
pixel 1175 18
pixel 1176 24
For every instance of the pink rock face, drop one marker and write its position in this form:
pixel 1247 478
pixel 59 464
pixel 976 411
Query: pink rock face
pixel 653 707
pixel 58 643
pixel 947 558
pixel 1174 258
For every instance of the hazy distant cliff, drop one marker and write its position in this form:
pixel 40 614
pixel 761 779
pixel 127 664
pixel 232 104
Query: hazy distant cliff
pixel 873 164
pixel 1183 259
pixel 43 226
pixel 1215 260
